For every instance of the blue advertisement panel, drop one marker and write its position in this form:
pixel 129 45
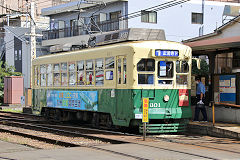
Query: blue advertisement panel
pixel 227 88
pixel 82 100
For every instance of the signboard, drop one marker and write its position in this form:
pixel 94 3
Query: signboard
pixel 166 53
pixel 227 88
pixel 82 100
pixel 145 110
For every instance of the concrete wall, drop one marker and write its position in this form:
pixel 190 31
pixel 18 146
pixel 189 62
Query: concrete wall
pixel 222 114
pixel 176 21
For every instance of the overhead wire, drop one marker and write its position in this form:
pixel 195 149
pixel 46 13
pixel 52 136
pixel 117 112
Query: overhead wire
pixel 134 14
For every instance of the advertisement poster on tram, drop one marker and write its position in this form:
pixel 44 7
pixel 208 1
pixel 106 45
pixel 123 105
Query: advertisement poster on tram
pixel 82 100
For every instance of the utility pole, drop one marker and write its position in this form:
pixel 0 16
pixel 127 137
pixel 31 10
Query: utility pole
pixel 33 41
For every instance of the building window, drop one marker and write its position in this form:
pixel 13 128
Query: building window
pixel 115 15
pixel 149 16
pixel 197 18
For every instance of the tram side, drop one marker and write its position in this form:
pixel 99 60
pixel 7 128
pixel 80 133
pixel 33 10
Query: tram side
pixel 86 85
pixel 105 85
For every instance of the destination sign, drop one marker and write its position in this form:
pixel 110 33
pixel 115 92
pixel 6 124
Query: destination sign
pixel 167 53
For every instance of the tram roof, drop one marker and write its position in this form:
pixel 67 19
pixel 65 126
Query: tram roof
pixel 129 45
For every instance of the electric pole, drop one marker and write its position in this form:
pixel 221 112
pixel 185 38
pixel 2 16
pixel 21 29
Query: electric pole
pixel 33 41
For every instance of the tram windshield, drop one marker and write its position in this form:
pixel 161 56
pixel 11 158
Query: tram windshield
pixel 165 71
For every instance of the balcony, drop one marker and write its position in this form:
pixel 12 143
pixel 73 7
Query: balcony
pixel 105 26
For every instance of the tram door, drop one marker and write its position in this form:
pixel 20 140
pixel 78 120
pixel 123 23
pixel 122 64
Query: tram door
pixel 122 95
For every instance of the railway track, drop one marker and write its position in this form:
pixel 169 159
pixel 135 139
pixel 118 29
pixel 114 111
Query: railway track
pixel 97 134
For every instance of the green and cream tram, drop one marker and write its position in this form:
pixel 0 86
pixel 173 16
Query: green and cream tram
pixel 106 85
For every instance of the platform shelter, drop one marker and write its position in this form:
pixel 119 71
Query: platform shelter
pixel 223 50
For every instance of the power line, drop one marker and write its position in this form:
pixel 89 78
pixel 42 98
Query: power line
pixel 160 7
pixel 11 9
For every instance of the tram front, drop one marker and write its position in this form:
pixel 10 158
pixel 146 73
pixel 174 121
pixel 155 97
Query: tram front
pixel 163 75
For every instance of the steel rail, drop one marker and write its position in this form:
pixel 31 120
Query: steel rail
pixel 59 131
pixel 204 146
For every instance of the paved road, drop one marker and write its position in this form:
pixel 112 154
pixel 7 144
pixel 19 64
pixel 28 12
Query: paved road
pixel 166 147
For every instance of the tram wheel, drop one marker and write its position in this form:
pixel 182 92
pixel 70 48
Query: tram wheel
pixel 95 120
pixel 109 123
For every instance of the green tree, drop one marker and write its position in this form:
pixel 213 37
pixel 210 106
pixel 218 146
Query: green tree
pixel 204 71
pixel 6 70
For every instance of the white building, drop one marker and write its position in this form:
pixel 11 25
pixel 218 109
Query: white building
pixel 183 21
pixel 179 20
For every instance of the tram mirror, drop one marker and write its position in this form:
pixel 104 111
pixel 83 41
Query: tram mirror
pixel 198 60
pixel 198 64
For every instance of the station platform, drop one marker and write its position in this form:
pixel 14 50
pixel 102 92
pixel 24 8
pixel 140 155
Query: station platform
pixel 219 129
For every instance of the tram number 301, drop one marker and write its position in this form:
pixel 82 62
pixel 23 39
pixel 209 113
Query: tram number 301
pixel 155 105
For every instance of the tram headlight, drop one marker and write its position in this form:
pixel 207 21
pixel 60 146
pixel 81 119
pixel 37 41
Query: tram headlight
pixel 166 98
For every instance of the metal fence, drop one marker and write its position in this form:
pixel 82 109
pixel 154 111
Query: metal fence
pixel 81 30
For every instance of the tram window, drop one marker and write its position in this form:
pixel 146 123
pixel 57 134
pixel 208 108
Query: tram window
pixel 43 69
pixel 80 73
pixel 145 79
pixel 99 71
pixel 89 77
pixel 99 64
pixel 146 65
pixel 43 75
pixel 119 71
pixel 165 69
pixel 56 68
pixel 64 79
pixel 181 79
pixel 36 76
pixel 89 72
pixel 89 65
pixel 71 66
pixel 182 67
pixel 64 74
pixel 64 67
pixel 71 73
pixel 124 70
pixel 109 75
pixel 81 78
pixel 43 79
pixel 56 77
pixel 109 63
pixel 72 78
pixel 99 77
pixel 49 75
pixel 80 65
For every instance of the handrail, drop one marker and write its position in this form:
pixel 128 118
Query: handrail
pixel 228 104
pixel 105 26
